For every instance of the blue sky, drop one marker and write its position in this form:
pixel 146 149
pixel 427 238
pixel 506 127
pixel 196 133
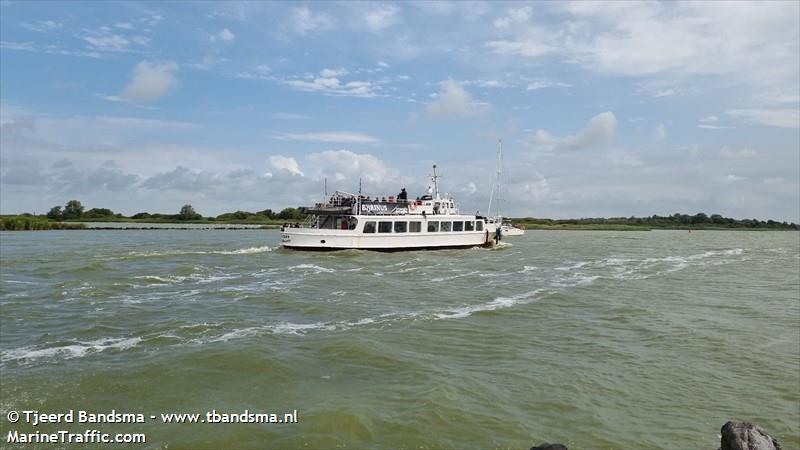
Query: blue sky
pixel 605 109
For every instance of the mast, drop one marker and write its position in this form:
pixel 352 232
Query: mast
pixel 497 180
pixel 435 177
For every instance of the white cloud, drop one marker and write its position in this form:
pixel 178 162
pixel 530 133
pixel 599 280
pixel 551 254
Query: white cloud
pixel 714 127
pixel 599 130
pixel 660 132
pixel 513 17
pixel 347 165
pixel 709 119
pixel 329 73
pixel 381 17
pixel 289 116
pixel 453 102
pixel 41 26
pixel 107 42
pixel 340 137
pixel 545 83
pixel 624 159
pixel 733 153
pixel 784 118
pixel 225 35
pixel 305 21
pixel 285 163
pixel 151 80
pixel 705 39
pixel 732 178
pixel 124 25
pixel 530 47
pixel 261 71
pixel 328 83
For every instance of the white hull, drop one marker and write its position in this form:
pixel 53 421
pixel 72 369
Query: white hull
pixel 512 231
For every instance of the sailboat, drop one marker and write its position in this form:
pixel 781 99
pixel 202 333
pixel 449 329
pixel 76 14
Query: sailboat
pixel 495 218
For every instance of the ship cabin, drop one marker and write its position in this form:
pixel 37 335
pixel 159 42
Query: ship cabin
pixel 366 214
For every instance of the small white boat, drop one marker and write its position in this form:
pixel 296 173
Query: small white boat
pixel 351 221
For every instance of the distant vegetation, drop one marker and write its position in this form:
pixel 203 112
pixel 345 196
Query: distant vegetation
pixel 675 221
pixel 73 211
pixel 25 222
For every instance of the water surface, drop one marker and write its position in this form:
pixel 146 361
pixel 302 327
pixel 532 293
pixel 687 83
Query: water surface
pixel 592 339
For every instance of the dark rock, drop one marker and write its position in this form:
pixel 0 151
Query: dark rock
pixel 547 446
pixel 746 436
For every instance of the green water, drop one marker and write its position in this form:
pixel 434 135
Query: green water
pixel 592 339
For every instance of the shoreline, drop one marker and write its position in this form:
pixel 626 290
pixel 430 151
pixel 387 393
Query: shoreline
pixel 240 227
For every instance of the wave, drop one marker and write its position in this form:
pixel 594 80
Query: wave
pixel 497 303
pixel 243 251
pixel 77 350
pixel 155 254
pixel 453 277
pixel 314 267
pixel 584 272
pixel 202 278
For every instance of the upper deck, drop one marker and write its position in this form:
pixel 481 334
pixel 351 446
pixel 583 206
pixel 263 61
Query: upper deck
pixel 343 203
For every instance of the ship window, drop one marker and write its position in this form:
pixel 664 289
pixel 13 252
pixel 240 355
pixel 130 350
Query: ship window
pixel 458 226
pixel 469 225
pixel 433 227
pixel 415 227
pixel 384 227
pixel 353 223
pixel 479 225
pixel 369 227
pixel 400 227
pixel 446 226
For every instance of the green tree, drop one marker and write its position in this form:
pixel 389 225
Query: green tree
pixel 55 213
pixel 267 213
pixel 73 210
pixel 98 212
pixel 290 214
pixel 188 213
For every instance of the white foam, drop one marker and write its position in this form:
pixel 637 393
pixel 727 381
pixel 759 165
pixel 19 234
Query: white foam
pixel 241 251
pixel 77 350
pixel 300 328
pixel 315 268
pixel 237 334
pixel 169 279
pixel 577 265
pixel 453 277
pixel 244 251
pixel 497 303
pixel 577 279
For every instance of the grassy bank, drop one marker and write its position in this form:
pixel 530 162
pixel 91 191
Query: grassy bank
pixel 674 222
pixel 29 223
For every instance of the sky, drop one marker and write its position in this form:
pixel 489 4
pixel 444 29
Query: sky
pixel 604 109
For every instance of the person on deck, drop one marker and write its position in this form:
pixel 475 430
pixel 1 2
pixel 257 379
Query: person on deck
pixel 402 197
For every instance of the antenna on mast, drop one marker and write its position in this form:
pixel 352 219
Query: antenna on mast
pixel 325 188
pixel 435 177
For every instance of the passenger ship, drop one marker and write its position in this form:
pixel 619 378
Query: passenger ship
pixel 350 221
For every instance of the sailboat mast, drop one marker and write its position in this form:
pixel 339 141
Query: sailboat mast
pixel 497 175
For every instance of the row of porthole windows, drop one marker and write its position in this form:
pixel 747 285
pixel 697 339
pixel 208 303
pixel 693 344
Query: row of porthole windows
pixel 433 226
